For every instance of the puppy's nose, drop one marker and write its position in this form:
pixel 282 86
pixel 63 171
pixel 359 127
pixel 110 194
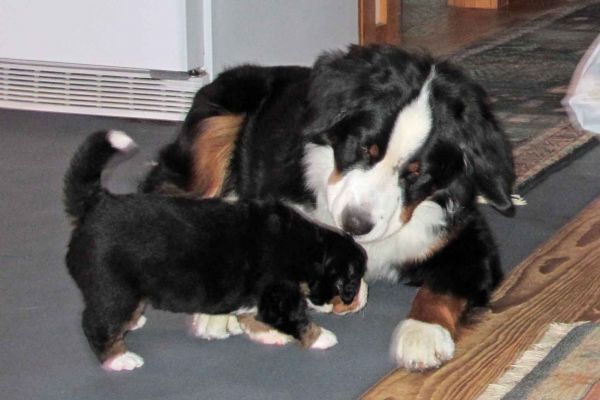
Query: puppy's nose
pixel 356 221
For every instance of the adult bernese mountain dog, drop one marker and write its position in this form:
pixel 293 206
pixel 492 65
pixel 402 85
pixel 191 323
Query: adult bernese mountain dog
pixel 391 146
pixel 198 256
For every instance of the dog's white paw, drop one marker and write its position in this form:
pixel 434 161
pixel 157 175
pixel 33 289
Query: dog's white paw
pixel 325 340
pixel 420 346
pixel 270 337
pixel 210 327
pixel 127 361
pixel 139 323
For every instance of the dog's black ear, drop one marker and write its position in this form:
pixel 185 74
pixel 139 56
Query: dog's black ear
pixel 330 96
pixel 489 157
pixel 465 110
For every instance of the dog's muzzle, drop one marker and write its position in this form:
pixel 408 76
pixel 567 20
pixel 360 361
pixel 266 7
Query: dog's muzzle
pixel 356 222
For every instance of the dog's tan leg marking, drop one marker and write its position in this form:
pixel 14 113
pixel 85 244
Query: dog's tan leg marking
pixel 212 151
pixel 117 358
pixel 434 308
pixel 425 339
pixel 260 332
pixel 313 336
pixel 310 335
pixel 316 337
pixel 138 320
pixel 116 348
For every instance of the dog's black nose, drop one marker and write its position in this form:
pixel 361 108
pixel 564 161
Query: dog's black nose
pixel 356 222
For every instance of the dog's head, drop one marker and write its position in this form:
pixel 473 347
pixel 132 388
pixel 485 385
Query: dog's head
pixel 388 128
pixel 337 281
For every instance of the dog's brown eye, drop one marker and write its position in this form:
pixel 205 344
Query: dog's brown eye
pixel 412 171
pixel 414 168
pixel 372 151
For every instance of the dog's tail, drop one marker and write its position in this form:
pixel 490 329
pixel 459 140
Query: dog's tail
pixel 82 182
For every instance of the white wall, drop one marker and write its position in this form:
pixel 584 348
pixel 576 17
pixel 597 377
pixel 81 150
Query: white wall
pixel 280 31
pixel 174 34
pixel 149 34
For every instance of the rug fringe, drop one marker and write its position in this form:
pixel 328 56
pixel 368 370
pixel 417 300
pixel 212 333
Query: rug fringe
pixel 525 364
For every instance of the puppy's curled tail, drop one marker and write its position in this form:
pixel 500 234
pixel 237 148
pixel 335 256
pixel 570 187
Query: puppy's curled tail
pixel 82 182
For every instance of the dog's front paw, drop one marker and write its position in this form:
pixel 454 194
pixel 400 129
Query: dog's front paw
pixel 420 346
pixel 123 362
pixel 325 340
pixel 270 337
pixel 260 332
pixel 210 327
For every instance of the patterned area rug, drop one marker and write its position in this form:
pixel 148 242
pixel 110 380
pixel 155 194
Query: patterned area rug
pixel 527 72
pixel 564 365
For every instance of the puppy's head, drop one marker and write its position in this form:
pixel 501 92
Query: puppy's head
pixel 389 128
pixel 337 282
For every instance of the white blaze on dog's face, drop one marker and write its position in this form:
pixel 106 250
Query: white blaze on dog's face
pixel 367 202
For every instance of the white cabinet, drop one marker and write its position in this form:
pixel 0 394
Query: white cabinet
pixel 132 57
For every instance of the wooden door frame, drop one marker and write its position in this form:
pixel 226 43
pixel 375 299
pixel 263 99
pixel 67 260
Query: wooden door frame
pixel 379 21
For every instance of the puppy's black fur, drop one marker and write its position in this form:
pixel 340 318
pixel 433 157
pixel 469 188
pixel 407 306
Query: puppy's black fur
pixel 187 255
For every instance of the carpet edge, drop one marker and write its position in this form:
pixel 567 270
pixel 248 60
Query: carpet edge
pixel 528 360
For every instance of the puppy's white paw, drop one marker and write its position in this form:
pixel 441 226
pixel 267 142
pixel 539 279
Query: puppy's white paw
pixel 325 340
pixel 324 308
pixel 363 294
pixel 233 326
pixel 210 327
pixel 139 323
pixel 270 337
pixel 123 362
pixel 419 345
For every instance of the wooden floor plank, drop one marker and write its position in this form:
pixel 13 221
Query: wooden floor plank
pixel 559 282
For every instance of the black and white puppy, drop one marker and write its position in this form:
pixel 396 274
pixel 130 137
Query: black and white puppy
pixel 188 255
pixel 389 145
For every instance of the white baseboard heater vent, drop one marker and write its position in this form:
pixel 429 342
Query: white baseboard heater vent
pixel 80 89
